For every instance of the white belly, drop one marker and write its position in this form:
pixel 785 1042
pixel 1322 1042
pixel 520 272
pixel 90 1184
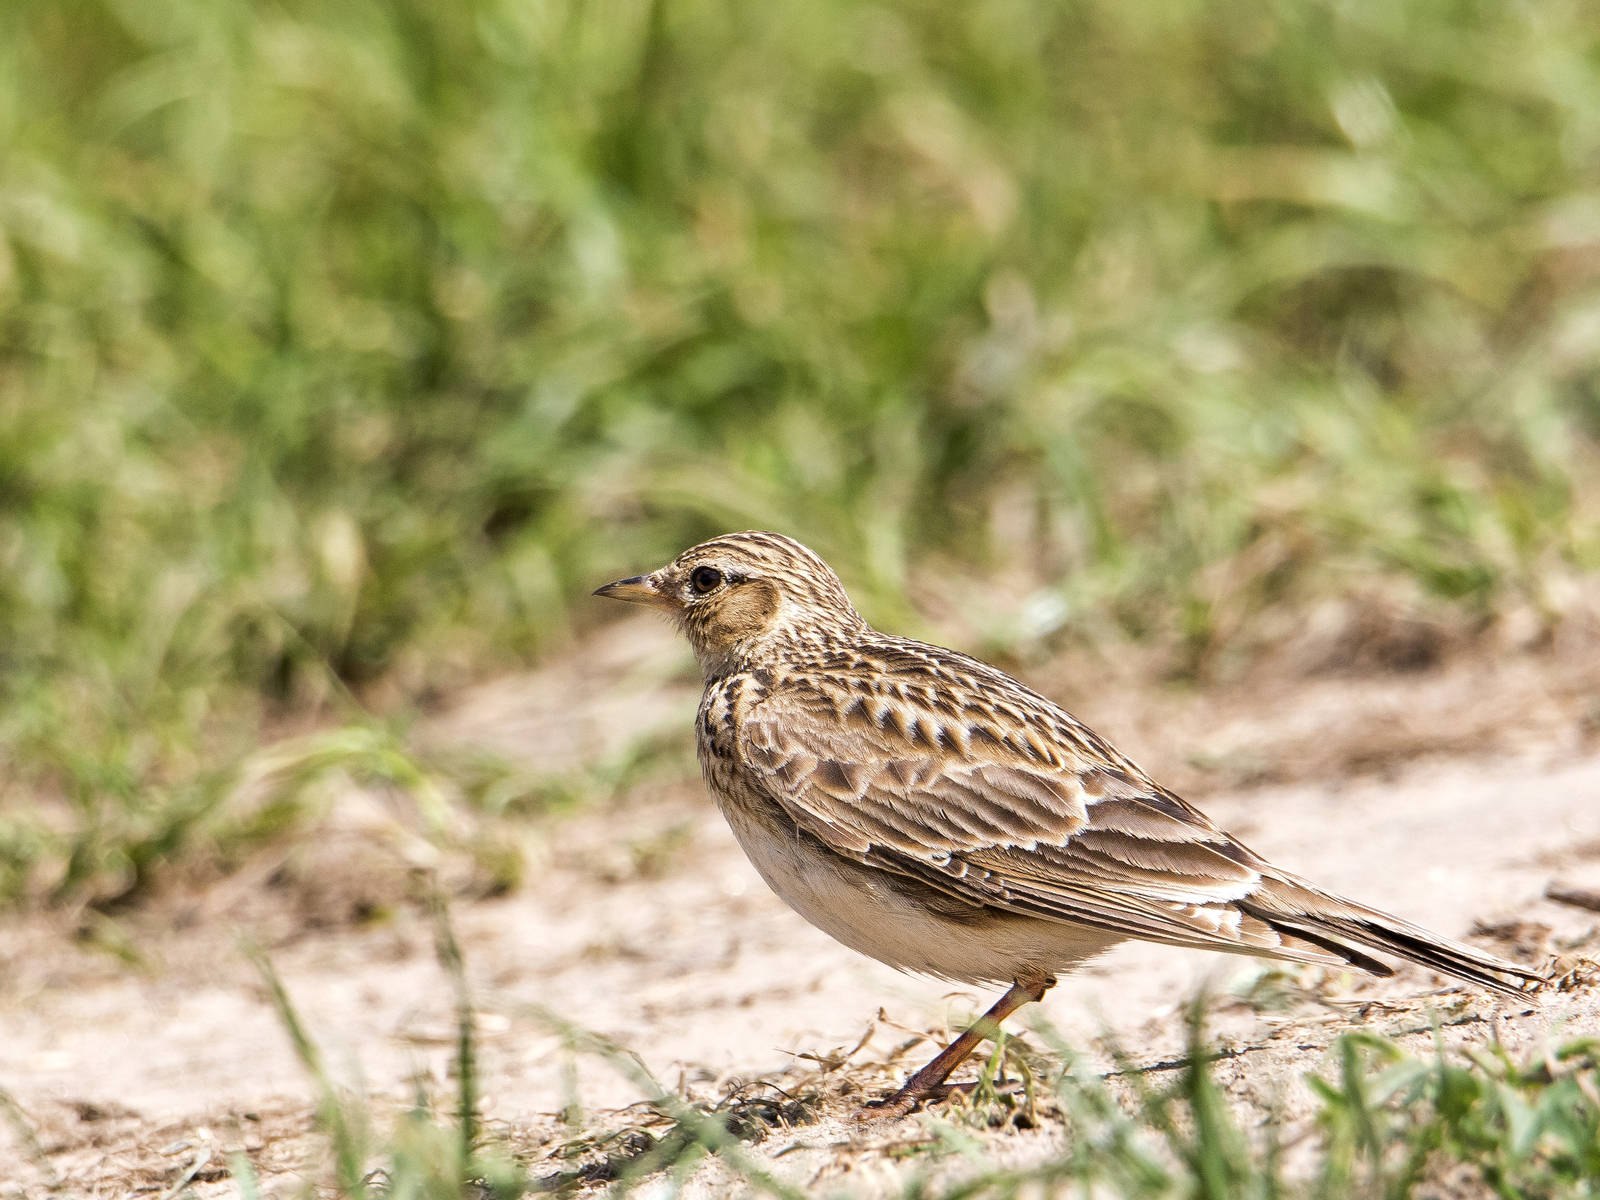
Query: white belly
pixel 852 903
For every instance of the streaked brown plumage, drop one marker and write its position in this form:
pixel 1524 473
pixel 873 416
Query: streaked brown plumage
pixel 928 810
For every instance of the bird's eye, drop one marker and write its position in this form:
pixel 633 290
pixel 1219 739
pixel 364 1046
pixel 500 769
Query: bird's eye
pixel 705 579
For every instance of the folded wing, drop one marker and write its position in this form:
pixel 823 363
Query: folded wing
pixel 1034 823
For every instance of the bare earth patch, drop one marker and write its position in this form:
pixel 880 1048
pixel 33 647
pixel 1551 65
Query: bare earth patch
pixel 1453 796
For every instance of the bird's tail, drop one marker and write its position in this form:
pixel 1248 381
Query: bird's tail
pixel 1318 921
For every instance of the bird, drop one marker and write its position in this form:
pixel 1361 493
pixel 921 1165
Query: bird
pixel 930 811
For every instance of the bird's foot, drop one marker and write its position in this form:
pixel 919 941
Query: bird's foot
pixel 907 1101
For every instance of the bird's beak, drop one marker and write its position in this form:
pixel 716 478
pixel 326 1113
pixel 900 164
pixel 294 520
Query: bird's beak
pixel 640 589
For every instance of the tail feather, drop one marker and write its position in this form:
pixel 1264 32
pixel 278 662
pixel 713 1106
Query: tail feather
pixel 1342 927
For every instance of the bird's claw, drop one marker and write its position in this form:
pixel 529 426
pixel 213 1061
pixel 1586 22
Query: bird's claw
pixel 904 1102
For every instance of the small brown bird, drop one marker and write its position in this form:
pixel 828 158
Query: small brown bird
pixel 928 810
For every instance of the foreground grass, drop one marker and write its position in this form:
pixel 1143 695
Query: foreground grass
pixel 343 346
pixel 1387 1124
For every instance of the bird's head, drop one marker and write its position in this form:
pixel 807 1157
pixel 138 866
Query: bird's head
pixel 740 592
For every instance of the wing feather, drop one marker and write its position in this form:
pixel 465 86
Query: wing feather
pixel 1016 806
pixel 985 817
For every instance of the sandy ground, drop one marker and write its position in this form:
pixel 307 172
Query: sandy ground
pixel 1453 796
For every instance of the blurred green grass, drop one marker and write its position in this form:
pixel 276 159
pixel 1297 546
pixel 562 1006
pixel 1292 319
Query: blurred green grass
pixel 347 345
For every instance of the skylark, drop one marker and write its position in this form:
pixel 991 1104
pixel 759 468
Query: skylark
pixel 928 810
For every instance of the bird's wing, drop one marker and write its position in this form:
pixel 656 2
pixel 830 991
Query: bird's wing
pixel 1045 820
pixel 964 806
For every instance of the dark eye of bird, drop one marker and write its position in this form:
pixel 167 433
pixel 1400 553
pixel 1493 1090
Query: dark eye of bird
pixel 705 579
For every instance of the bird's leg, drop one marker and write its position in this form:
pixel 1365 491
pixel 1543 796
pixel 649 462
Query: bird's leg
pixel 929 1083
